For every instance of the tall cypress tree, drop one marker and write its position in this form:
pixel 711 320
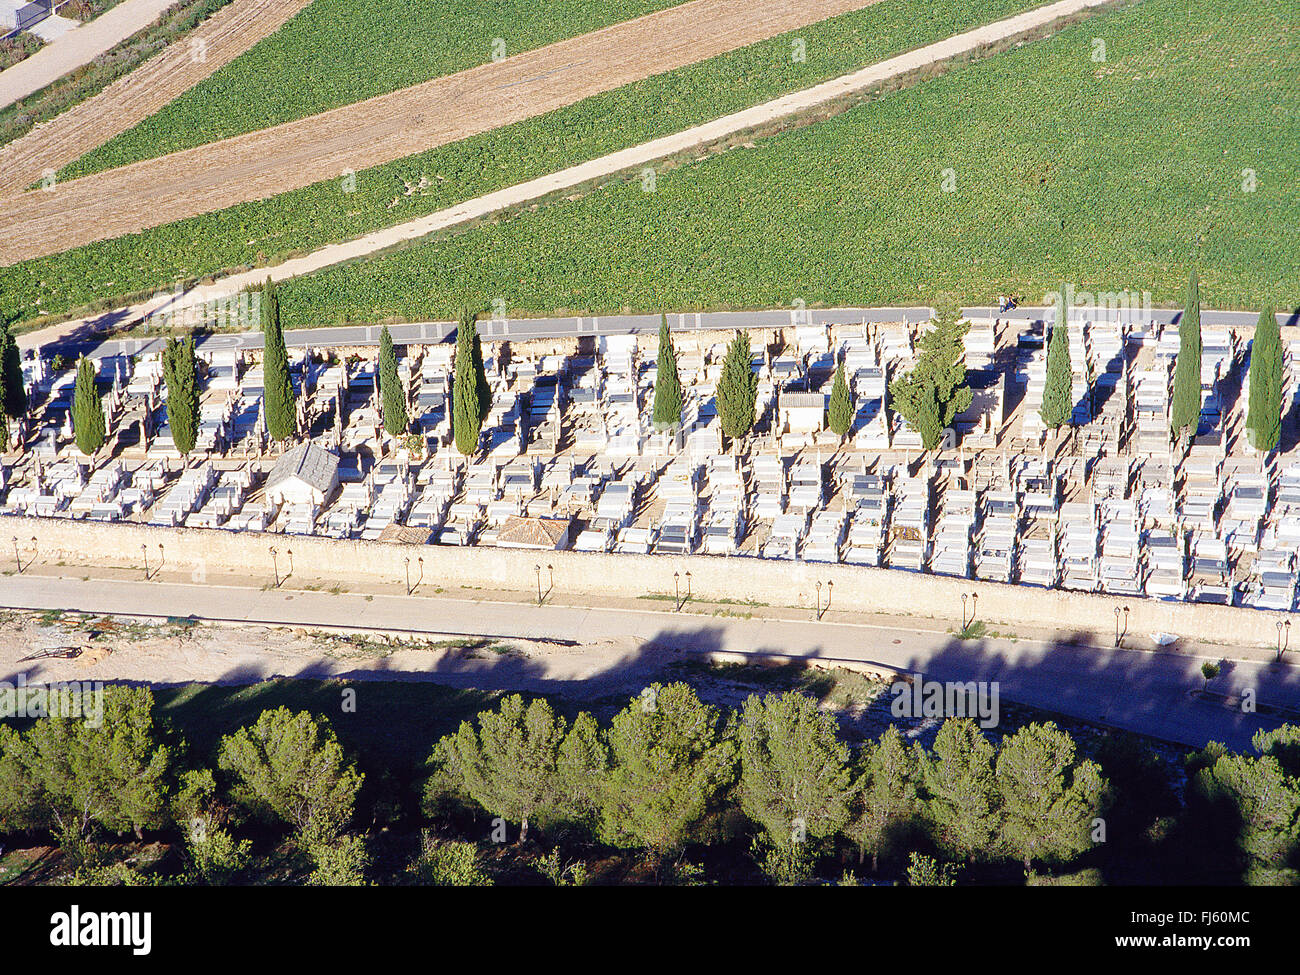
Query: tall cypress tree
pixel 1185 413
pixel 1264 419
pixel 935 391
pixel 839 414
pixel 737 389
pixel 179 372
pixel 281 415
pixel 13 398
pixel 87 411
pixel 396 419
pixel 1058 408
pixel 668 386
pixel 466 409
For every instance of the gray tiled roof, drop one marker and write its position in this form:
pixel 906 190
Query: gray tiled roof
pixel 310 463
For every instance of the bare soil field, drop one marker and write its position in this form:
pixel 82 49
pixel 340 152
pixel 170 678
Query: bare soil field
pixel 223 37
pixel 387 127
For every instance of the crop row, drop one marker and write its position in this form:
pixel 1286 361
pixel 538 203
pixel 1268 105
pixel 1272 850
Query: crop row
pixel 1009 175
pixel 264 231
pixel 336 52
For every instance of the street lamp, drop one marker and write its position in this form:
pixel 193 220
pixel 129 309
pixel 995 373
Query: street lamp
pixel 688 587
pixel 677 592
pixel 290 554
pixel 1119 634
pixel 538 569
pixel 18 558
pixel 160 556
pixel 275 565
pixel 819 598
pixel 407 561
pixel 144 551
pixel 1283 637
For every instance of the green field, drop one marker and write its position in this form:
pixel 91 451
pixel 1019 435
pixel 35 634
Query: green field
pixel 336 52
pixel 262 232
pixel 1104 174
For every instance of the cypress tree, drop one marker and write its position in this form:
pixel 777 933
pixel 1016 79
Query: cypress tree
pixel 281 417
pixel 1058 408
pixel 935 391
pixel 4 432
pixel 13 397
pixel 839 415
pixel 1186 407
pixel 87 412
pixel 1264 419
pixel 390 387
pixel 737 389
pixel 179 372
pixel 668 387
pixel 466 409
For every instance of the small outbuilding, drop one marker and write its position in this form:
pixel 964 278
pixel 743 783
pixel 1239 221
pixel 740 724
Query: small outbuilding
pixel 305 474
pixel 801 412
pixel 545 534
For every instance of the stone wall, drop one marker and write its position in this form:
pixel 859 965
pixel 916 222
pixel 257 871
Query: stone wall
pixel 776 583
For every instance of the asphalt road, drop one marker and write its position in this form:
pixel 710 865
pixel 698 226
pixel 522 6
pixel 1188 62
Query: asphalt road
pixel 1143 691
pixel 534 328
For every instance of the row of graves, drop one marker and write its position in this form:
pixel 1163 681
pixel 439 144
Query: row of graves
pixel 569 458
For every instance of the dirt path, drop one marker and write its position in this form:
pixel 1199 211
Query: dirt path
pixel 128 101
pixel 79 46
pixel 393 126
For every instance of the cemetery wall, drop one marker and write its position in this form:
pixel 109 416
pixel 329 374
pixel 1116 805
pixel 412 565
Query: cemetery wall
pixel 775 583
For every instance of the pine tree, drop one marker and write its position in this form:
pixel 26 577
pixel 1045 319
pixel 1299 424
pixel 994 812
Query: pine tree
pixel 1264 419
pixel 668 387
pixel 737 389
pixel 935 391
pixel 1048 799
pixel 87 412
pixel 1186 407
pixel 886 801
pixel 962 802
pixel 839 414
pixel 396 419
pixel 1058 406
pixel 467 410
pixel 794 775
pixel 179 372
pixel 13 395
pixel 281 415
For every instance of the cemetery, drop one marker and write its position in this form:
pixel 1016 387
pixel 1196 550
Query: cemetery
pixel 569 457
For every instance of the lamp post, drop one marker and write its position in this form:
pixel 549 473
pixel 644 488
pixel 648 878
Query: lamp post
pixel 538 568
pixel 17 557
pixel 275 565
pixel 1283 637
pixel 420 579
pixel 688 587
pixel 677 592
pixel 819 598
pixel 289 552
pixel 407 561
pixel 964 597
pixel 144 552
pixel 1119 633
pixel 160 557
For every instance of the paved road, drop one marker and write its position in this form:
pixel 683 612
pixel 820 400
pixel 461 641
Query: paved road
pixel 77 47
pixel 1141 691
pixel 520 329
